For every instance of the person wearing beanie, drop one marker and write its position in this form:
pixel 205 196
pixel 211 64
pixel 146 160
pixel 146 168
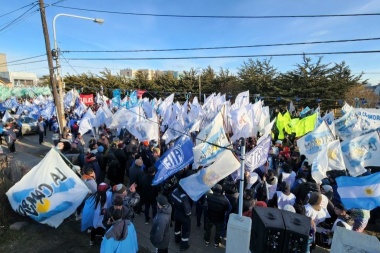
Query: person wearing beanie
pixel 160 233
pixel 117 204
pixel 121 235
pixel 182 217
pixel 130 198
pixel 217 207
pixel 282 197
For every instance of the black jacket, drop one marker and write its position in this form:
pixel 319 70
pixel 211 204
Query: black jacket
pixel 217 206
pixel 149 192
pixel 160 234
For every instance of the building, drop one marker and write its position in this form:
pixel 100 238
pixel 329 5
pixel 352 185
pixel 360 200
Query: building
pixel 3 63
pixel 16 78
pixel 20 78
pixel 131 74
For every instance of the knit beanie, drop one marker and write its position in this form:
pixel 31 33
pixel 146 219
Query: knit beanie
pixel 119 188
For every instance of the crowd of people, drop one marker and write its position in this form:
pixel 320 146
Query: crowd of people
pixel 119 171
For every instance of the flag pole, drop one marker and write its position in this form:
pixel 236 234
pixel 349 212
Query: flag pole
pixel 241 186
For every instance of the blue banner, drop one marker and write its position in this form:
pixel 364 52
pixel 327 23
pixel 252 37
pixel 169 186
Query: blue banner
pixel 174 160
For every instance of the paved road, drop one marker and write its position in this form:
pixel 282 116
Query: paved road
pixel 29 152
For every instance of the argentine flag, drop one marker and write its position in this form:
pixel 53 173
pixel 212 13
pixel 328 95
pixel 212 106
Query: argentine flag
pixel 360 192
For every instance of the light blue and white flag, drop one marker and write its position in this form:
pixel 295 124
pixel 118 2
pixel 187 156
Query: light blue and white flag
pixel 174 131
pixel 198 184
pixel 258 155
pixel 212 140
pixel 344 125
pixel 346 108
pixel 360 152
pixel 359 192
pixel 175 159
pixel 6 116
pixel 80 109
pixel 144 130
pixel 313 142
pixel 329 158
pixel 49 192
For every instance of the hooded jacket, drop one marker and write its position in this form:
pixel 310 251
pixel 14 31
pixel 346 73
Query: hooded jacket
pixel 160 234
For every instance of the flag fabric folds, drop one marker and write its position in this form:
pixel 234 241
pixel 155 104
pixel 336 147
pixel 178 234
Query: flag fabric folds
pixel 258 155
pixel 174 160
pixel 212 140
pixel 313 142
pixel 49 192
pixel 360 152
pixel 198 184
pixel 359 192
pixel 329 158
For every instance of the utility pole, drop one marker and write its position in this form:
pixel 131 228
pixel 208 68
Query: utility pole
pixel 57 98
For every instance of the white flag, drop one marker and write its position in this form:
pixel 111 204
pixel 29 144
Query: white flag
pixel 313 142
pixel 329 158
pixel 49 192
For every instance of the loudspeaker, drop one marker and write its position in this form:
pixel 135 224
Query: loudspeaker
pixel 267 233
pixel 297 229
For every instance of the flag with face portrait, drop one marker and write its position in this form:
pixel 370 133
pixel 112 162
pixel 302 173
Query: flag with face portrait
pixel 49 192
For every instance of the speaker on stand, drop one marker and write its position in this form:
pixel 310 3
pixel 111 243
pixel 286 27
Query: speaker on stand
pixel 297 229
pixel 267 233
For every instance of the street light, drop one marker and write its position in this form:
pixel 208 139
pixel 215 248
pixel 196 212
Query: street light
pixel 61 118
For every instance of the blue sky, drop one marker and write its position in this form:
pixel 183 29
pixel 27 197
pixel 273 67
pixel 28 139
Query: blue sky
pixel 130 32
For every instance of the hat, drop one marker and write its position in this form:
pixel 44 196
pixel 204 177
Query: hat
pixel 102 187
pixel 118 200
pixel 279 142
pixel 139 162
pixel 120 145
pixel 289 208
pixel 217 188
pixel 315 199
pixel 119 188
pixel 327 188
pixel 145 143
pixel 101 149
pixel 162 200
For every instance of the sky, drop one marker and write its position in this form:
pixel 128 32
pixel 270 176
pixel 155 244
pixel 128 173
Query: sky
pixel 21 38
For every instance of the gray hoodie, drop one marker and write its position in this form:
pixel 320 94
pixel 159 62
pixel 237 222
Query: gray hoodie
pixel 160 235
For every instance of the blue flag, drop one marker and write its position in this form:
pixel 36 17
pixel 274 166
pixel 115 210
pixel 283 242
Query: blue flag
pixel 133 100
pixel 174 160
pixel 360 192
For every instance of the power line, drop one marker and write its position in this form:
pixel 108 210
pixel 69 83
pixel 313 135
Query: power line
pixel 26 63
pixel 20 18
pixel 219 17
pixel 219 57
pixel 24 59
pixel 16 10
pixel 213 48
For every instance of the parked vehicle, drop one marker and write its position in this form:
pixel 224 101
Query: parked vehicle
pixel 29 125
